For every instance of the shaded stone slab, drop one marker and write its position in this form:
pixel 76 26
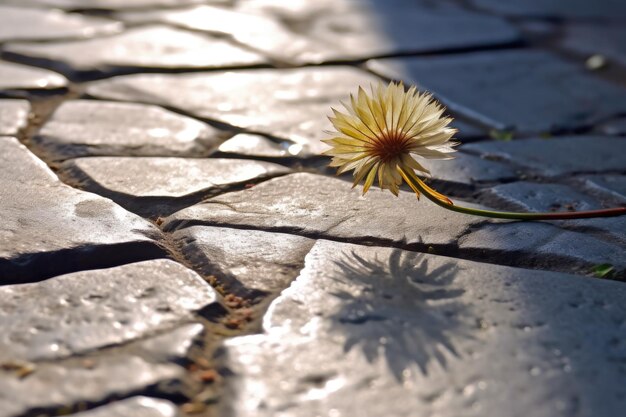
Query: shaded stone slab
pixel 244 261
pixel 614 185
pixel 290 103
pixel 136 407
pixel 523 90
pixel 469 170
pixel 596 38
pixel 103 128
pixel 525 196
pixel 558 156
pixel 21 77
pixel 49 228
pixel 148 185
pixel 20 23
pixel 257 146
pixel 55 387
pixel 612 9
pixel 13 116
pixel 337 32
pixel 375 331
pixel 321 207
pixel 614 127
pixel 85 311
pixel 158 47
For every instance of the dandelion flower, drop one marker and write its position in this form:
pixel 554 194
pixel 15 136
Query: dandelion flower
pixel 384 135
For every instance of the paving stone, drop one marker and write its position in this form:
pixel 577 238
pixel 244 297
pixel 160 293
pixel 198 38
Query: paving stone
pixel 157 47
pixel 615 127
pixel 149 185
pixel 374 331
pixel 322 207
pixel 599 38
pixel 558 156
pixel 21 77
pixel 615 185
pixel 525 196
pixel 85 311
pixel 20 23
pixel 244 261
pixel 258 146
pixel 340 33
pixel 290 104
pixel 49 228
pixel 103 128
pixel 13 116
pixel 469 170
pixel 174 345
pixel 612 9
pixel 318 206
pixel 54 387
pixel 136 407
pixel 524 90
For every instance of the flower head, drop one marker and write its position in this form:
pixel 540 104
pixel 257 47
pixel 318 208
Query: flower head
pixel 381 136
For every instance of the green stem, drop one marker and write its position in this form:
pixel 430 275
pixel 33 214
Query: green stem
pixel 617 211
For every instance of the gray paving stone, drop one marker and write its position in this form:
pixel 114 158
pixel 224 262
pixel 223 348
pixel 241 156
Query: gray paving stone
pixel 615 127
pixel 529 91
pixel 84 311
pixel 135 407
pixel 345 33
pixel 469 170
pixel 558 156
pixel 290 104
pixel 21 23
pixel 158 47
pixel 244 260
pixel 612 9
pixel 103 128
pixel 145 184
pixel 374 331
pixel 21 77
pixel 258 146
pixel 13 116
pixel 318 206
pixel 54 387
pixel 322 207
pixel 614 185
pixel 596 38
pixel 49 228
pixel 525 196
pixel 173 345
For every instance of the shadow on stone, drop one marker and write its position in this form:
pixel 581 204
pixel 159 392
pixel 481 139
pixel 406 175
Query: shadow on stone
pixel 405 313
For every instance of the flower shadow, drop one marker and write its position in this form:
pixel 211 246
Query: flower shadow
pixel 405 312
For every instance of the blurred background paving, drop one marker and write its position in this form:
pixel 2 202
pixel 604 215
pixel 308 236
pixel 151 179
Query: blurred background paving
pixel 173 244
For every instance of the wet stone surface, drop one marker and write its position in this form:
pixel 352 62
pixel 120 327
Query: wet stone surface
pixel 62 317
pixel 377 331
pixel 21 77
pixel 246 261
pixel 13 116
pixel 144 184
pixel 102 128
pixel 20 23
pixel 290 104
pixel 157 47
pixel 548 94
pixel 43 220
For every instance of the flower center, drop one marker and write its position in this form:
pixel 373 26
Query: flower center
pixel 390 145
